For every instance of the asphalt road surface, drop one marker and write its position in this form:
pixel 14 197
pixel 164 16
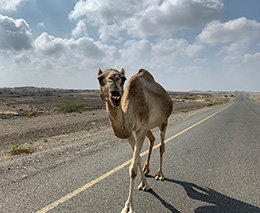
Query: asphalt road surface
pixel 211 164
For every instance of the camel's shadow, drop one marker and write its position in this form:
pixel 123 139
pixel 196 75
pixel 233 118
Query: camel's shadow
pixel 222 203
pixel 164 203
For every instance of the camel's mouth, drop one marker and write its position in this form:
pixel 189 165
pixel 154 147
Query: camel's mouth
pixel 115 98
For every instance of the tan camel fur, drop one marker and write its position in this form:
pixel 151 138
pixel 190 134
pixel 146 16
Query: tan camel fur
pixel 143 105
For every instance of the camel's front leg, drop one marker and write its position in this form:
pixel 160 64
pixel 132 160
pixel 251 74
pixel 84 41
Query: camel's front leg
pixel 133 170
pixel 129 203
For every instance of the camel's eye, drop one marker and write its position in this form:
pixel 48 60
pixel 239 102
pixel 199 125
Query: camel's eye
pixel 110 80
pixel 113 79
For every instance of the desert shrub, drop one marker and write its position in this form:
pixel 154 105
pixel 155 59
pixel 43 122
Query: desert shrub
pixel 16 150
pixel 185 110
pixel 72 107
pixel 32 113
pixel 221 102
pixel 226 100
pixel 218 102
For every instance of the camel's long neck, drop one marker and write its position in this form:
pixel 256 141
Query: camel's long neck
pixel 118 121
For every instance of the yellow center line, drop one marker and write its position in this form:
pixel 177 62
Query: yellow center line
pixel 93 182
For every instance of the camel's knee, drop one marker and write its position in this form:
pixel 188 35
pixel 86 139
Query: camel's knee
pixel 133 171
pixel 162 148
pixel 150 137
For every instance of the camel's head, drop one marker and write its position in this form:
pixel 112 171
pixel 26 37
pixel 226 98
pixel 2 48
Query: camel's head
pixel 111 85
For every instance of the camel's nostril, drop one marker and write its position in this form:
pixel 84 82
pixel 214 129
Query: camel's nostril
pixel 115 93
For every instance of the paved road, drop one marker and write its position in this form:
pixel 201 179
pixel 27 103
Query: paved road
pixel 212 167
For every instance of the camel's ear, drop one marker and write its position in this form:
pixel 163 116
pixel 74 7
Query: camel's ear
pixel 99 71
pixel 123 78
pixel 122 72
pixel 100 77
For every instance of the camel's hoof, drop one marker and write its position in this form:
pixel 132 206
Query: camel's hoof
pixel 144 187
pixel 127 210
pixel 159 176
pixel 146 170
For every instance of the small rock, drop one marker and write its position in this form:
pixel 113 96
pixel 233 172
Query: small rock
pixel 24 176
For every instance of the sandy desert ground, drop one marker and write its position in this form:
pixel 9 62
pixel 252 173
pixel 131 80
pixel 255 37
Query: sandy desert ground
pixel 29 117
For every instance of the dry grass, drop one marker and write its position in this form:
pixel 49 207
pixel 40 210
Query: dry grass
pixel 209 98
pixel 254 96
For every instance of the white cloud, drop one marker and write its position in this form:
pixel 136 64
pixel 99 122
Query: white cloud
pixel 134 55
pixel 193 50
pixel 80 30
pixel 41 24
pixel 82 49
pixel 234 52
pixel 83 53
pixel 175 15
pixel 10 4
pixel 176 48
pixel 109 33
pixel 170 47
pixel 87 47
pixel 238 30
pixel 14 34
pixel 49 45
pixel 146 18
pixel 201 60
pixel 59 62
pixel 162 56
pixel 105 11
pixel 71 50
pixel 252 58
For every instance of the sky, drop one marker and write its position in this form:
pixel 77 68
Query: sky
pixel 185 44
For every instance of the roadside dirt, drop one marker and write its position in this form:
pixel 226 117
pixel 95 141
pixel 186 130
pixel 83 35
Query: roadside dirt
pixel 55 138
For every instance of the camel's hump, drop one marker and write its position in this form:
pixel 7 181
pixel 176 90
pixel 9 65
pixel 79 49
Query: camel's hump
pixel 145 74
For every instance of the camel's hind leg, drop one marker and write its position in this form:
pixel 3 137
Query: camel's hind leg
pixel 149 134
pixel 159 175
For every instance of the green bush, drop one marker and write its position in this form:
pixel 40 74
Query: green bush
pixel 218 102
pixel 16 150
pixel 72 107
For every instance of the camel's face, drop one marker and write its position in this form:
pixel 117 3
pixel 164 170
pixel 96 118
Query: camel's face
pixel 111 86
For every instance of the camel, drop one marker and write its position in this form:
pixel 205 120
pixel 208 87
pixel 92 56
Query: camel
pixel 143 105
